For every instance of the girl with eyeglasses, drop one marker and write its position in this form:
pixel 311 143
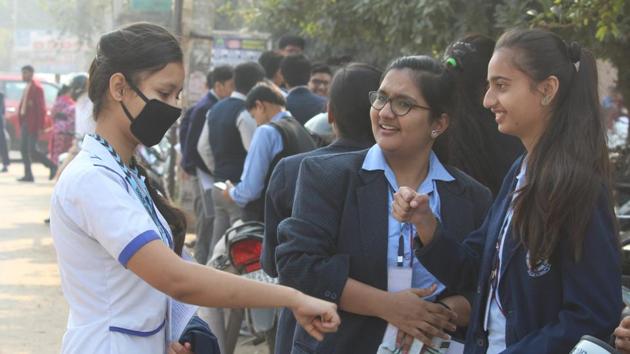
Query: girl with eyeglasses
pixel 545 265
pixel 342 243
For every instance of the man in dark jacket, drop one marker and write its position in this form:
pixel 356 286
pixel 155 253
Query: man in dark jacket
pixel 230 129
pixel 220 81
pixel 301 102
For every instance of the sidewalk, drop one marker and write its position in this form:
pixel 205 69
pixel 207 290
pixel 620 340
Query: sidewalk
pixel 33 312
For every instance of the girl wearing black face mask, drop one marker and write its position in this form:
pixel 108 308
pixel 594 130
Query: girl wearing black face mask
pixel 107 219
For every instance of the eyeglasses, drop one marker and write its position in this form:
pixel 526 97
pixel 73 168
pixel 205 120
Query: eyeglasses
pixel 318 82
pixel 399 106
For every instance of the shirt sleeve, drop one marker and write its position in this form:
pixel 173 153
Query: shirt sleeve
pixel 266 144
pixel 105 207
pixel 246 125
pixel 204 149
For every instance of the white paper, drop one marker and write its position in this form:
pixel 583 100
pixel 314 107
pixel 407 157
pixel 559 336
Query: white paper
pixel 179 313
pixel 389 342
pixel 206 180
pixel 399 279
pixel 456 348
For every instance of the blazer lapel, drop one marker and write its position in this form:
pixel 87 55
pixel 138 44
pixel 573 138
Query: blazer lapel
pixel 451 201
pixel 511 244
pixel 373 212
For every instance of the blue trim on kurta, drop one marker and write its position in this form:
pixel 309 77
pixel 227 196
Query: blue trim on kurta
pixel 137 333
pixel 135 244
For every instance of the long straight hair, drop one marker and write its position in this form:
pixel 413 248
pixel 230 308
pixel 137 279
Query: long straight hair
pixel 568 169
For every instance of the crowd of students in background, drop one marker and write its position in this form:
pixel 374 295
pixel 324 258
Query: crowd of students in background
pixel 449 129
pixel 464 197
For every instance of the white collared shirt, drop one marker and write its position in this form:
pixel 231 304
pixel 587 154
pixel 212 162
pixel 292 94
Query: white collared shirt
pixel 495 321
pixel 246 125
pixel 98 223
pixel 375 160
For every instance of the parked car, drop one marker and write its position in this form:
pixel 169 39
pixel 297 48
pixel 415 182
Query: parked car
pixel 13 86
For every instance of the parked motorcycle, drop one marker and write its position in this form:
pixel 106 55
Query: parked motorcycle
pixel 238 252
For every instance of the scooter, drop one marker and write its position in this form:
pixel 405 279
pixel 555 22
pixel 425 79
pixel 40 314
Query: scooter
pixel 238 252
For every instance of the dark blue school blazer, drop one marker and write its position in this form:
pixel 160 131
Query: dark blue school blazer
pixel 548 309
pixel 304 105
pixel 278 206
pixel 338 229
pixel 281 191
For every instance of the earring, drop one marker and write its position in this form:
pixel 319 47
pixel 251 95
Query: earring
pixel 546 100
pixel 435 134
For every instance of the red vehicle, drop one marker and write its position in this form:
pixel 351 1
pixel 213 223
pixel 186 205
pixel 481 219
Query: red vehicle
pixel 13 86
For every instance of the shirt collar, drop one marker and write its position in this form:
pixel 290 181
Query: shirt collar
pixel 520 178
pixel 214 94
pixel 375 161
pixel 280 115
pixel 298 88
pixel 238 95
pixel 99 155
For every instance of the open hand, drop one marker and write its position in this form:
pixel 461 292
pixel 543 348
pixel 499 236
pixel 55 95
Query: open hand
pixel 417 318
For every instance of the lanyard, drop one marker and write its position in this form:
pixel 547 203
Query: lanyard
pixel 401 246
pixel 132 177
pixel 496 262
pixel 401 239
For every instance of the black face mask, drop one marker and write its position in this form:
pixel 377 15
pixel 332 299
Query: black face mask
pixel 150 126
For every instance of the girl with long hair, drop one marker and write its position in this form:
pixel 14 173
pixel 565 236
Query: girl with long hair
pixel 545 265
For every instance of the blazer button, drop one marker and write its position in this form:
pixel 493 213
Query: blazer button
pixel 480 342
pixel 327 293
pixel 333 296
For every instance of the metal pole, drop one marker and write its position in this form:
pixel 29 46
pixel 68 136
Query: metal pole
pixel 172 136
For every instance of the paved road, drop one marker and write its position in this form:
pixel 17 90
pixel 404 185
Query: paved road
pixel 33 311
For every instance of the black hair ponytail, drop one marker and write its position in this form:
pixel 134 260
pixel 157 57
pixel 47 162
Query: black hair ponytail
pixel 476 146
pixel 568 169
pixel 175 217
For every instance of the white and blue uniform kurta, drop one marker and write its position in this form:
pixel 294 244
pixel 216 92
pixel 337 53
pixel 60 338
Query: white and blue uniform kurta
pixel 98 222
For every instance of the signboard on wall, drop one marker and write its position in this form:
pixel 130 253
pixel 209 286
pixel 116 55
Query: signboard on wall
pixel 50 52
pixel 151 5
pixel 223 48
pixel 235 48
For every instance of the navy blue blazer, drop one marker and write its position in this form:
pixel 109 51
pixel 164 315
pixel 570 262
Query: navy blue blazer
pixel 304 105
pixel 281 191
pixel 194 121
pixel 278 206
pixel 547 311
pixel 338 230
